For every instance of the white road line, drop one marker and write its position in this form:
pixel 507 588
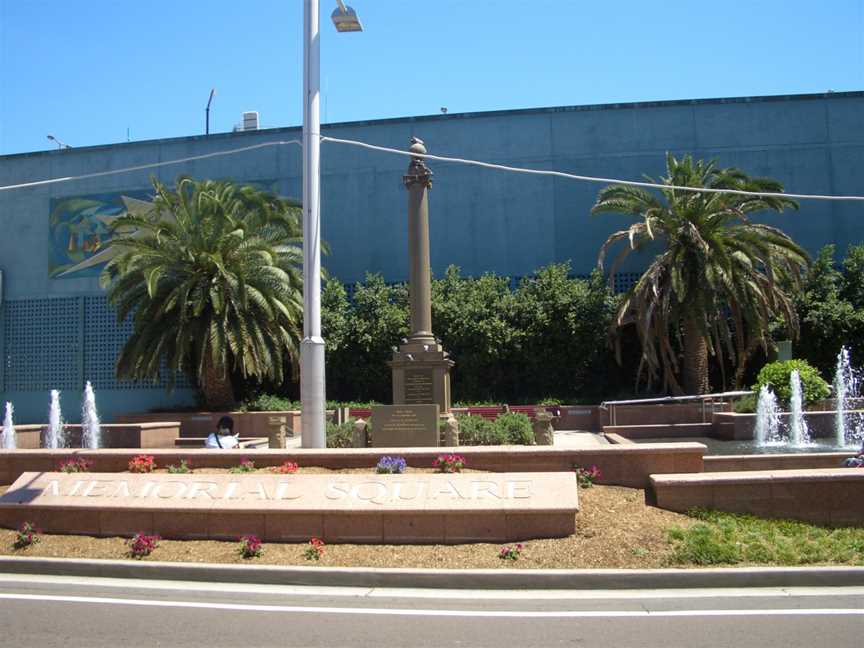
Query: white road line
pixel 522 614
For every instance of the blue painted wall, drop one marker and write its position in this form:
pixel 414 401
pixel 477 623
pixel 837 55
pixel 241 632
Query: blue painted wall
pixel 481 220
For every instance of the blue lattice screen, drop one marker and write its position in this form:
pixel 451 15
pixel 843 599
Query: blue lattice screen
pixel 59 343
pixel 43 344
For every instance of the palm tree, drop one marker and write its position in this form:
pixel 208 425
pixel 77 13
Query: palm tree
pixel 210 276
pixel 718 279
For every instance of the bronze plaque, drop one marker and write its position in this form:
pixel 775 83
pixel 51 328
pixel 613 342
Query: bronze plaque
pixel 404 426
pixel 419 386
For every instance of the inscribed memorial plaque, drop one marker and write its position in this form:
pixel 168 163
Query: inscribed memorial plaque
pixel 404 426
pixel 349 507
pixel 419 386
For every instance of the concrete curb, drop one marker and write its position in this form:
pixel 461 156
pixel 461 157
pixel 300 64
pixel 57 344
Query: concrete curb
pixel 539 579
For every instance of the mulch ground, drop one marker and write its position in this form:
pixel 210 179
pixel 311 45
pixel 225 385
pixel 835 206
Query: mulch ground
pixel 614 529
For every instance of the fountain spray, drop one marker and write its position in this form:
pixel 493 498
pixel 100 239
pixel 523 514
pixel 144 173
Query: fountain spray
pixel 799 435
pixel 847 425
pixel 9 442
pixel 55 436
pixel 91 434
pixel 767 418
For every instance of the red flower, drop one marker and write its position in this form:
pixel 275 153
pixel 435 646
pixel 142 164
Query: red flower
pixel 142 464
pixel 287 468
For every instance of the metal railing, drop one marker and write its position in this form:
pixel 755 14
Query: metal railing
pixel 705 399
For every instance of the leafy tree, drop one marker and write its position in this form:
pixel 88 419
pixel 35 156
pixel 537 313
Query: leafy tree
pixel 474 319
pixel 211 278
pixel 718 279
pixel 852 284
pixel 360 337
pixel 561 320
pixel 831 309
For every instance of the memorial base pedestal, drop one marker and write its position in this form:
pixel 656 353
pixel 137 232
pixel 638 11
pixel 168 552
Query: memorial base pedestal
pixel 421 375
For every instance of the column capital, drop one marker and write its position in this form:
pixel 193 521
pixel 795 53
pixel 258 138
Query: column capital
pixel 418 173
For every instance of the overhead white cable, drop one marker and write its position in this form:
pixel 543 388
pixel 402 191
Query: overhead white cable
pixel 429 156
pixel 151 165
pixel 573 176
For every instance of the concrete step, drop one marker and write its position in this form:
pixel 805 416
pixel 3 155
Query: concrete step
pixel 660 430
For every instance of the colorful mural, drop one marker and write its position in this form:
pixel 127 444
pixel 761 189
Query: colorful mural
pixel 79 228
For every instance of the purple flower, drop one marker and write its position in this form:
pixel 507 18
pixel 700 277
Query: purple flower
pixel 391 466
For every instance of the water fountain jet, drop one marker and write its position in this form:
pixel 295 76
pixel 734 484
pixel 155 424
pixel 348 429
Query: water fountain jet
pixel 91 434
pixel 799 434
pixel 767 431
pixel 54 438
pixel 847 425
pixel 9 441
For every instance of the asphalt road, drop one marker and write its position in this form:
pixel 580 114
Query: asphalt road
pixel 94 613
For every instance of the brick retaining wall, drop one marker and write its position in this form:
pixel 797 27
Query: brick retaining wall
pixel 624 465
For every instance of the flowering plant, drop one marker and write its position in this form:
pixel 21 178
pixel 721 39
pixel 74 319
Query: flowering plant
pixel 141 544
pixel 510 552
pixel 75 465
pixel 449 463
pixel 586 476
pixel 391 466
pixel 26 535
pixel 315 549
pixel 142 464
pixel 251 546
pixel 246 466
pixel 184 468
pixel 287 468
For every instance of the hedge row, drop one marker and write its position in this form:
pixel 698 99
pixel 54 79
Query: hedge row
pixel 512 428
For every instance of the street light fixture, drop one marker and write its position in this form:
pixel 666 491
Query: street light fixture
pixel 60 145
pixel 207 112
pixel 345 18
pixel 313 431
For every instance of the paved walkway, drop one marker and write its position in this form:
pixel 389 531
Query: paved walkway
pixel 579 439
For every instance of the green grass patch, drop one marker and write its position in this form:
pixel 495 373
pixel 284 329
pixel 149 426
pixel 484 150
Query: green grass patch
pixel 729 539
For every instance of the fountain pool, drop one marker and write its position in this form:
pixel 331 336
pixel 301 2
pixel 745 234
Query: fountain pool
pixel 746 447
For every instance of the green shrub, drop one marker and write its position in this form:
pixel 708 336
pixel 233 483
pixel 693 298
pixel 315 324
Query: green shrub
pixel 515 428
pixel 745 405
pixel 271 403
pixel 333 404
pixel 340 436
pixel 476 430
pixel 776 374
pixel 550 401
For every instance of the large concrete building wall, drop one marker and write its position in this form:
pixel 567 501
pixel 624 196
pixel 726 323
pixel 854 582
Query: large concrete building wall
pixel 481 220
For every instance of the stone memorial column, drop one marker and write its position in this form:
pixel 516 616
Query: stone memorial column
pixel 421 367
pixel 418 181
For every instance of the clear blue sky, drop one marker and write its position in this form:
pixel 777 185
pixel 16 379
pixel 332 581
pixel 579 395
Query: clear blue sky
pixel 86 70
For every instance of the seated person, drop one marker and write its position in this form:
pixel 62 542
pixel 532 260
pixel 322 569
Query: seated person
pixel 224 436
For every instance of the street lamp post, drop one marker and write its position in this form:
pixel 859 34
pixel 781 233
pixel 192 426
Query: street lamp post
pixel 207 111
pixel 313 433
pixel 60 144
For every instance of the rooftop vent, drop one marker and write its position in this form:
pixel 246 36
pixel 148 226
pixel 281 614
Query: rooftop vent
pixel 250 120
pixel 249 123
